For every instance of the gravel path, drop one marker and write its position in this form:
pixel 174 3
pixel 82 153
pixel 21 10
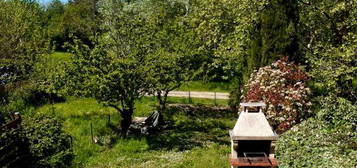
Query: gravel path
pixel 194 94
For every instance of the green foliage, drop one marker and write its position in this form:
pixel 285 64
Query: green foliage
pixel 22 39
pixel 49 76
pixel 328 140
pixel 76 19
pixel 54 18
pixel 169 65
pixel 40 142
pixel 166 74
pixel 340 114
pixel 22 42
pixel 115 72
pixel 275 34
pixel 81 20
pixel 210 21
pixel 14 149
pixel 330 44
pixel 49 145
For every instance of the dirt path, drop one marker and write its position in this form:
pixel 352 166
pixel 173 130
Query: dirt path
pixel 195 94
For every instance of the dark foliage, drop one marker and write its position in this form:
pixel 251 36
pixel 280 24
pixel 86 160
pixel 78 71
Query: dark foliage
pixel 40 142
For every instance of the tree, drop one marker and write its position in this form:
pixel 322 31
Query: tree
pixel 208 23
pixel 115 71
pixel 22 39
pixel 55 23
pixel 22 42
pixel 167 72
pixel 329 43
pixel 274 35
pixel 81 19
pixel 168 62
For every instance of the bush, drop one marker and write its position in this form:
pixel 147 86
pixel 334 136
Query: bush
pixel 31 94
pixel 39 143
pixel 327 140
pixel 282 87
pixel 49 145
pixel 14 149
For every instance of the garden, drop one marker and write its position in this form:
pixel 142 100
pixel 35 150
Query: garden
pixel 77 76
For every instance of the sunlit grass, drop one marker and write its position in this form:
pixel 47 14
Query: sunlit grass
pixel 60 56
pixel 194 142
pixel 206 86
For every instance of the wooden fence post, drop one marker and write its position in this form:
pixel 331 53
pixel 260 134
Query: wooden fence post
pixel 91 132
pixel 189 97
pixel 215 98
pixel 108 119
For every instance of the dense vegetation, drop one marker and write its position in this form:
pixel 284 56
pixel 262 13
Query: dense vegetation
pixel 65 66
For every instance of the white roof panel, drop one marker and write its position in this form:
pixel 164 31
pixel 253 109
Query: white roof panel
pixel 253 126
pixel 253 104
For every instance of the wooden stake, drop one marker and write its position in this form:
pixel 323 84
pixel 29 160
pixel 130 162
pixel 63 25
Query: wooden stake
pixel 108 119
pixel 91 132
pixel 215 98
pixel 189 97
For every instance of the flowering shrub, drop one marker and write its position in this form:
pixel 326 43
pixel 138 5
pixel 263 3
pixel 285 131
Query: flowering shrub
pixel 282 87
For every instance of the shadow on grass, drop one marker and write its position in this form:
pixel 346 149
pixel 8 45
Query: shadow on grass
pixel 189 127
pixel 201 111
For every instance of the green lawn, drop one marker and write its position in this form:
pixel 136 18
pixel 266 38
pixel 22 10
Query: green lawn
pixel 60 56
pixel 197 140
pixel 206 86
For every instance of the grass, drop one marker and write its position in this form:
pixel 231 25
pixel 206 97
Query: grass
pixel 54 61
pixel 60 56
pixel 198 139
pixel 206 86
pixel 194 140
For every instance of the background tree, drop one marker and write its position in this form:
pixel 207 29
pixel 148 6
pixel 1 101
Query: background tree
pixel 274 35
pixel 168 72
pixel 55 20
pixel 82 21
pixel 329 43
pixel 168 62
pixel 208 23
pixel 22 42
pixel 22 39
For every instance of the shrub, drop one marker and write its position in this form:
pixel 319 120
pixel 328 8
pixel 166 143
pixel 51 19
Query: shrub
pixel 39 143
pixel 49 145
pixel 32 94
pixel 327 140
pixel 282 87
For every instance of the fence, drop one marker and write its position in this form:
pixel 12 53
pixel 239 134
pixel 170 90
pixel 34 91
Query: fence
pixel 13 124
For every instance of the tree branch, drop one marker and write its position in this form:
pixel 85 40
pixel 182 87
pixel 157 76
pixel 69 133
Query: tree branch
pixel 115 107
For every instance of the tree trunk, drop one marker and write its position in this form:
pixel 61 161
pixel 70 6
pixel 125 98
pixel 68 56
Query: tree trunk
pixel 162 99
pixel 126 115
